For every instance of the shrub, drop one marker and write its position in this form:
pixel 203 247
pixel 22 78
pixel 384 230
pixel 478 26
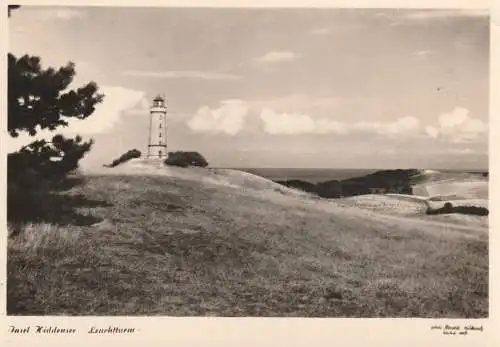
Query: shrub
pixel 185 159
pixel 329 189
pixel 133 153
pixel 449 208
pixel 33 174
pixel 474 210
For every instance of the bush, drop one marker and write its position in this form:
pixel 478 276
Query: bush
pixel 185 159
pixel 329 189
pixel 133 153
pixel 38 170
pixel 449 208
pixel 474 210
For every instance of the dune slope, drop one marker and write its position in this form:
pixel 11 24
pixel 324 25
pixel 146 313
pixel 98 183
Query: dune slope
pixel 456 185
pixel 224 243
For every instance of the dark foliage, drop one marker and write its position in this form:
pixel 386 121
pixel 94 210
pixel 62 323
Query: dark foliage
pixel 131 154
pixel 38 99
pixel 45 161
pixel 185 159
pixel 38 170
pixel 393 181
pixel 449 208
pixel 330 189
pixel 386 181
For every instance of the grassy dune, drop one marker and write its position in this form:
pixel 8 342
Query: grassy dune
pixel 454 185
pixel 176 247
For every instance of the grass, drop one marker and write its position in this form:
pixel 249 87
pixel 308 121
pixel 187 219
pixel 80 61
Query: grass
pixel 175 247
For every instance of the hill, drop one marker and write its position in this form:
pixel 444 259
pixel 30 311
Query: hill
pixel 385 181
pixel 171 241
pixel 451 185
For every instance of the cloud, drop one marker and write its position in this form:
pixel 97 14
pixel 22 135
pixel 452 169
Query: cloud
pixel 464 44
pixel 389 151
pixel 461 151
pixel 109 112
pixel 423 53
pixel 431 132
pixel 399 127
pixel 228 118
pixel 457 126
pixel 294 114
pixel 105 117
pixel 201 75
pixel 423 17
pixel 321 31
pixel 67 14
pixel 299 102
pixel 283 123
pixel 64 14
pixel 19 30
pixel 298 123
pixel 277 57
pixel 426 15
pixel 382 15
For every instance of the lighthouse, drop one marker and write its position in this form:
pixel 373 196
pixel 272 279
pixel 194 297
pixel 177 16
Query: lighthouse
pixel 157 142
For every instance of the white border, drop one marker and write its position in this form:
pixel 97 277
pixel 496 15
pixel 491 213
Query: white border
pixel 222 332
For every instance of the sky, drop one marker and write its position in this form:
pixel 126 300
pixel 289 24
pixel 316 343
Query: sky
pixel 304 88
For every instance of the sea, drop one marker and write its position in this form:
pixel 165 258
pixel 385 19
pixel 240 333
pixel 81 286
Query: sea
pixel 320 175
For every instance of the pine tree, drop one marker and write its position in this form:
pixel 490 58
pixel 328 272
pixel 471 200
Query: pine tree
pixel 39 99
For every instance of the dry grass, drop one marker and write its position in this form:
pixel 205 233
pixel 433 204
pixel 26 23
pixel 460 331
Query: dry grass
pixel 176 247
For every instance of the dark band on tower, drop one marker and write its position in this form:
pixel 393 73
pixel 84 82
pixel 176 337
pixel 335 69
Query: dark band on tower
pixel 157 142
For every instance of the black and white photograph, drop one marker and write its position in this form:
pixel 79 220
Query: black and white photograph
pixel 247 162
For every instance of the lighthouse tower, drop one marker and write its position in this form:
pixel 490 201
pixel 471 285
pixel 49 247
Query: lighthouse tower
pixel 157 143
